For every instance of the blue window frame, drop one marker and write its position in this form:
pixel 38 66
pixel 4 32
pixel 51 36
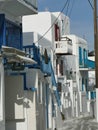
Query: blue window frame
pixel 85 57
pixel 13 35
pixel 10 33
pixel 2 30
pixel 32 88
pixel 80 56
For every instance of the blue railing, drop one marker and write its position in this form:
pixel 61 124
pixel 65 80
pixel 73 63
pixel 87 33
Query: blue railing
pixel 46 67
pixel 91 64
pixel 93 95
pixel 33 52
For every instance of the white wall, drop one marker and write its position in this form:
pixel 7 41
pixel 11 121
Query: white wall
pixel 39 23
pixel 2 99
pixel 64 23
pixel 20 103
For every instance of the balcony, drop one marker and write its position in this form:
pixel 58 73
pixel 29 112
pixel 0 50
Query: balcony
pixel 19 7
pixel 63 47
pixel 33 52
pixel 87 66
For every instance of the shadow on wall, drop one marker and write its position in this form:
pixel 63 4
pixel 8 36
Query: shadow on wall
pixel 15 101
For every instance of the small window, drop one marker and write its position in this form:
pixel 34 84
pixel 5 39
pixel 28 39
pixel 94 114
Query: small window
pixel 57 33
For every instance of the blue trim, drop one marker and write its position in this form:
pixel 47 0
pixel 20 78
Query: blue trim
pixel 93 95
pixel 10 33
pixel 91 64
pixel 2 30
pixel 80 56
pixel 24 77
pixel 46 68
pixel 35 66
pixel 33 89
pixel 85 57
pixel 54 84
pixel 33 52
pixel 13 35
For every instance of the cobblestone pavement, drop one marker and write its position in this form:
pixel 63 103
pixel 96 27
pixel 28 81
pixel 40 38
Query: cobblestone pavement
pixel 85 123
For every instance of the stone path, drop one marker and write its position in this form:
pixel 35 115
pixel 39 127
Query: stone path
pixel 85 123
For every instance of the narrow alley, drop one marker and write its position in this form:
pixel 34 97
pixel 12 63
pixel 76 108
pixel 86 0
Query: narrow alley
pixel 85 123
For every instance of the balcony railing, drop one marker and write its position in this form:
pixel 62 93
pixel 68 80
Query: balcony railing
pixel 33 52
pixel 63 47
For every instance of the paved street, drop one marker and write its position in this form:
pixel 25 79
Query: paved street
pixel 85 123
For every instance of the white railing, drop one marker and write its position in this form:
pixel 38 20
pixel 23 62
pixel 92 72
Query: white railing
pixel 63 47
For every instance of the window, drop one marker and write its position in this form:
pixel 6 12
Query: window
pixel 13 35
pixel 57 33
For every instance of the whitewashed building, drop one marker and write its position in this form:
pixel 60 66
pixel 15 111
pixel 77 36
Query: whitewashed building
pixel 12 95
pixel 69 56
pixel 92 85
pixel 46 29
pixel 78 70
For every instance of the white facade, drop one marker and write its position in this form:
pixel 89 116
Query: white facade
pixel 69 73
pixel 2 99
pixel 13 113
pixel 81 70
pixel 64 23
pixel 43 26
pixel 92 90
pixel 29 98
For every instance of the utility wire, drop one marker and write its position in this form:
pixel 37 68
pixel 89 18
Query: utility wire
pixel 71 8
pixel 53 22
pixel 90 4
pixel 67 7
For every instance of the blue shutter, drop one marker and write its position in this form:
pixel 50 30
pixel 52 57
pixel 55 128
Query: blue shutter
pixel 80 56
pixel 13 35
pixel 85 57
pixel 2 30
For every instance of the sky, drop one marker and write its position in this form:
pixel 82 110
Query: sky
pixel 80 13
